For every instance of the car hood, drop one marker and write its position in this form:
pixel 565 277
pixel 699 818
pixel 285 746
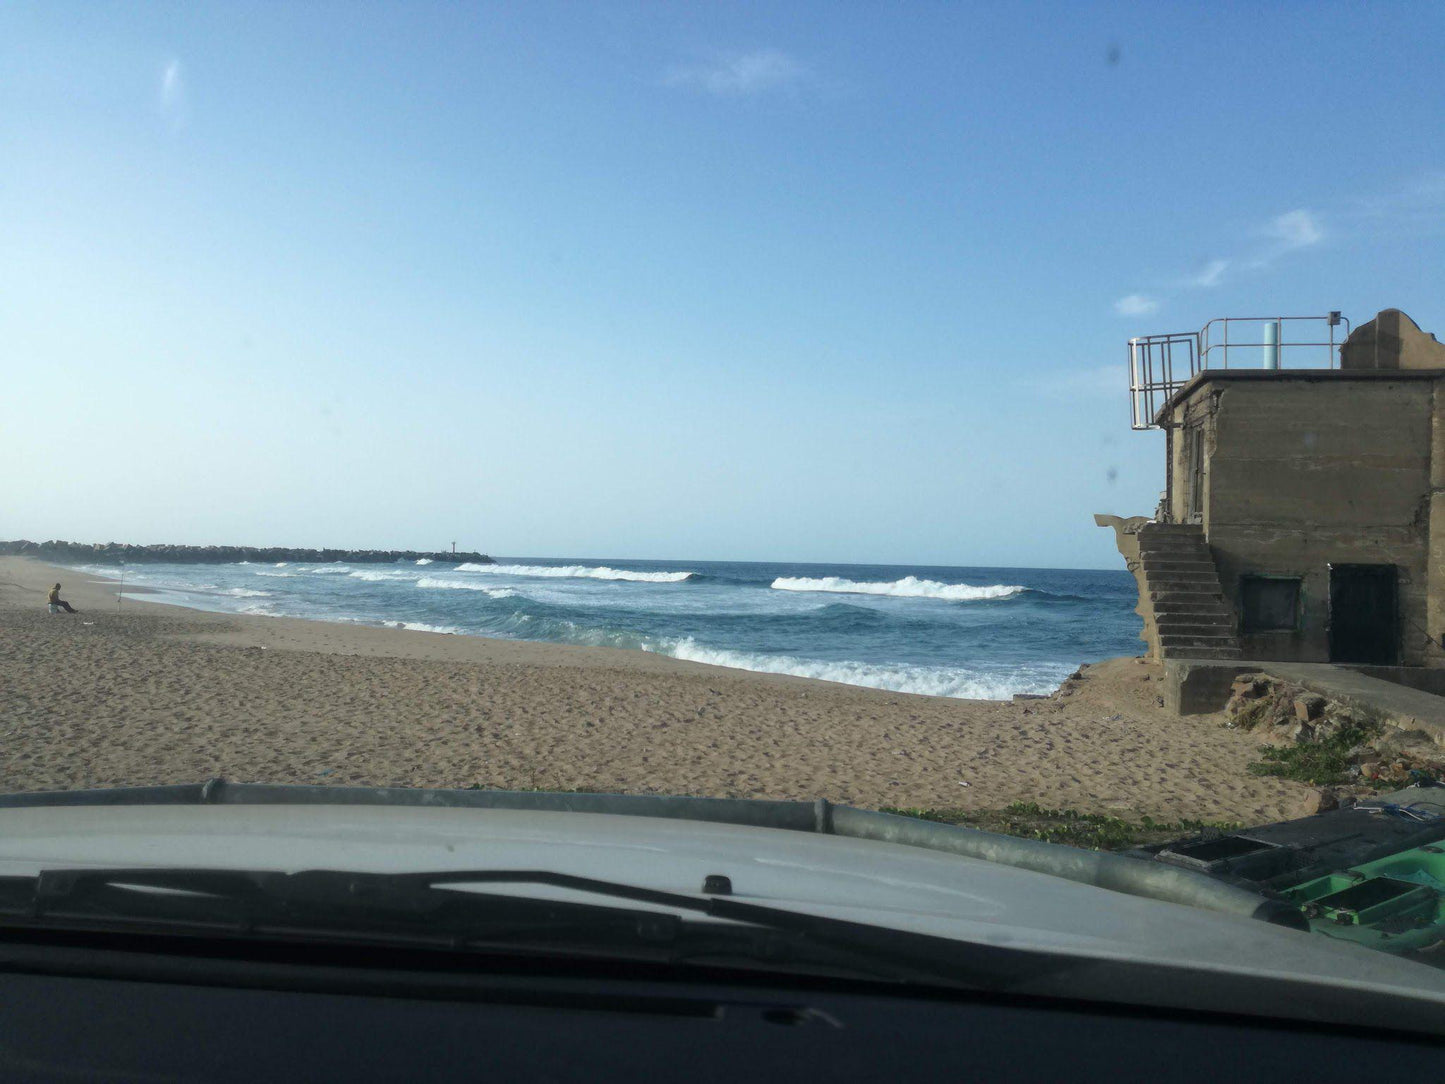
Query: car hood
pixel 885 884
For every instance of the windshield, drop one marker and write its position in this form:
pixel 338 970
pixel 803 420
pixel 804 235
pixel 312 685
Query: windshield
pixel 1021 420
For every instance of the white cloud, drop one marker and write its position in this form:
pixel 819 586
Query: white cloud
pixel 172 100
pixel 1209 275
pixel 739 74
pixel 1104 382
pixel 1413 207
pixel 1295 229
pixel 1136 305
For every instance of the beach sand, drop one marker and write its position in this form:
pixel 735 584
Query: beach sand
pixel 143 693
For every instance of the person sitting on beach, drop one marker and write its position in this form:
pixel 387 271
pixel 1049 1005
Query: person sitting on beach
pixel 57 603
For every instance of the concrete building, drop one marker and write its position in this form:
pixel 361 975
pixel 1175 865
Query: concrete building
pixel 1303 515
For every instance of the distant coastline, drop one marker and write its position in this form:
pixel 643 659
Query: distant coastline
pixel 170 554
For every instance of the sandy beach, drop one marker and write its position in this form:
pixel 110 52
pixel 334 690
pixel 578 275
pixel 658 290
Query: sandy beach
pixel 135 692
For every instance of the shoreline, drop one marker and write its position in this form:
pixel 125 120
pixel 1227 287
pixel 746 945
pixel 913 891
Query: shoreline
pixel 99 578
pixel 158 693
pixel 377 638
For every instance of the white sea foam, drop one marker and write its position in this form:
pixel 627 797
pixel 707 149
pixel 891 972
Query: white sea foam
pixel 282 564
pixel 422 626
pixel 908 587
pixel 423 560
pixel 895 677
pixel 245 592
pixel 432 582
pixel 577 572
pixel 327 570
pixel 279 575
pixel 375 576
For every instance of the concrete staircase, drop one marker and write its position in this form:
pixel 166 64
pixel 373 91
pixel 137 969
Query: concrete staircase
pixel 1190 611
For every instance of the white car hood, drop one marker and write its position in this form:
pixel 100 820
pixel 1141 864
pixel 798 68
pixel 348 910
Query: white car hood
pixel 907 888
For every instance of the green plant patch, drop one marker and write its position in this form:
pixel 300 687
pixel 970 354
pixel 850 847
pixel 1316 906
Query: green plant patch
pixel 1318 763
pixel 1094 831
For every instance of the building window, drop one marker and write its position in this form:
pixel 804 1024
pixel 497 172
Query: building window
pixel 1269 603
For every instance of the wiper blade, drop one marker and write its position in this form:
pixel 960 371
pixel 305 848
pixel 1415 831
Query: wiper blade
pixel 428 907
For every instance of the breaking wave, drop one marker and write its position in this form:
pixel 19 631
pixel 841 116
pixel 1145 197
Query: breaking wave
pixel 893 677
pixel 378 577
pixel 908 587
pixel 422 626
pixel 423 560
pixel 578 572
pixel 245 592
pixel 455 585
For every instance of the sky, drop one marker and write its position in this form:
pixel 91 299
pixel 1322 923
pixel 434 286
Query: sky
pixel 808 282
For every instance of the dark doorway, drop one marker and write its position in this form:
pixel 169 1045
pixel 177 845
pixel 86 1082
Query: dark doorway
pixel 1195 448
pixel 1363 623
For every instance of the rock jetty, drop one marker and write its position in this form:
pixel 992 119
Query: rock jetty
pixel 115 552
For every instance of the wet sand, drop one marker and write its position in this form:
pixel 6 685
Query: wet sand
pixel 143 693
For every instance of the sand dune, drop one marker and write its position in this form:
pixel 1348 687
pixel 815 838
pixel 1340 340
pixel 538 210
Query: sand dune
pixel 142 693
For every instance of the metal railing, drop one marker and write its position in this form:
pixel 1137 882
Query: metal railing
pixel 1159 365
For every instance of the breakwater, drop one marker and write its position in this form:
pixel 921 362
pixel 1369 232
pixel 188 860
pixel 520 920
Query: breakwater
pixel 161 553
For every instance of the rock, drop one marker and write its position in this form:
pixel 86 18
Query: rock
pixel 1303 732
pixel 1250 687
pixel 1326 800
pixel 1308 707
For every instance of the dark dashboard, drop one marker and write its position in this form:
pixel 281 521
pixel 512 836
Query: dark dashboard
pixel 82 1012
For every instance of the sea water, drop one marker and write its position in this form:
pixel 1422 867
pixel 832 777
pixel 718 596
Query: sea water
pixel 978 633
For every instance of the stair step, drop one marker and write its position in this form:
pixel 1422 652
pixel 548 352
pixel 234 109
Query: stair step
pixel 1179 633
pixel 1202 609
pixel 1203 653
pixel 1159 530
pixel 1192 643
pixel 1194 617
pixel 1179 564
pixel 1215 615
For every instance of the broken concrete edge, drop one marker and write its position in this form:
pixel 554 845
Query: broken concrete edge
pixel 1126 538
pixel 1204 686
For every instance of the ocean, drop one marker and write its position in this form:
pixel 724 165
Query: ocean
pixel 977 633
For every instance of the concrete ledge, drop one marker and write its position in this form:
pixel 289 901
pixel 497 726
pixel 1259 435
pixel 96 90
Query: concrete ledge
pixel 1412 711
pixel 1201 686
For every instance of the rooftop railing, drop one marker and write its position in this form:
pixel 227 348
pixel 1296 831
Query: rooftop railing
pixel 1159 365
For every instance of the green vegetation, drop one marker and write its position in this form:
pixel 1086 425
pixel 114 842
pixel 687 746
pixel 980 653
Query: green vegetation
pixel 1319 763
pixel 1095 831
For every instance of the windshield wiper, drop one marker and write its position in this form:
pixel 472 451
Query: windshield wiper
pixel 431 909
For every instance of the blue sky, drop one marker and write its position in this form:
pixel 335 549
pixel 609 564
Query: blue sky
pixel 826 281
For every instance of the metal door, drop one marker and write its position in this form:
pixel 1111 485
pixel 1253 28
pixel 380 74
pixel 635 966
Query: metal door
pixel 1364 614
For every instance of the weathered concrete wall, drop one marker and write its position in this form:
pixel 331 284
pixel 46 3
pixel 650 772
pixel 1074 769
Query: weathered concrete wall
pixel 1304 473
pixel 1126 537
pixel 1435 552
pixel 1200 687
pixel 1391 341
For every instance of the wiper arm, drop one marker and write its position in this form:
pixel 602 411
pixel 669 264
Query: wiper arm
pixel 423 906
